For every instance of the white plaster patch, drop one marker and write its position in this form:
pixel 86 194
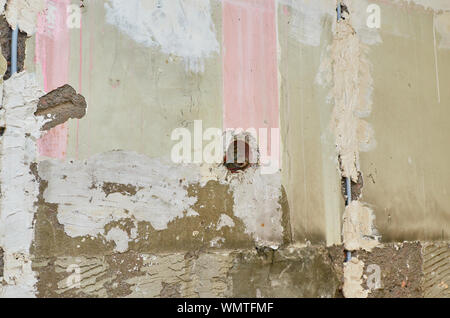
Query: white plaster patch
pixel 19 189
pixel 182 28
pixel 358 229
pixel 18 276
pixel 442 26
pixel 217 242
pixel 353 273
pixel 24 13
pixel 256 203
pixel 84 208
pixel 308 18
pixel 120 238
pixel 224 220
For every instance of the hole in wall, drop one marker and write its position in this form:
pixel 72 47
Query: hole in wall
pixel 356 187
pixel 2 131
pixel 239 154
pixel 344 9
pixel 5 42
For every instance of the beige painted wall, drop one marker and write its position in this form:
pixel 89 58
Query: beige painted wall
pixel 309 171
pixel 406 177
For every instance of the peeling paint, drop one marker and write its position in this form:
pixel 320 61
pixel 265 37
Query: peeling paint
pixel 224 220
pixel 182 28
pixel 161 196
pixel 19 191
pixel 120 238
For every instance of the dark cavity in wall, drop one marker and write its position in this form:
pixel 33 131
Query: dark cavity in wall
pixel 356 187
pixel 5 42
pixel 239 155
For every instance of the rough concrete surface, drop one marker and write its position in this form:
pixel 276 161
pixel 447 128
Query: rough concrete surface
pixel 292 272
pixel 60 105
pixel 401 269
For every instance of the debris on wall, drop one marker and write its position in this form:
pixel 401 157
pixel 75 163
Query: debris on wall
pixel 23 13
pixel 60 105
pixel 396 270
pixel 353 274
pixel 183 28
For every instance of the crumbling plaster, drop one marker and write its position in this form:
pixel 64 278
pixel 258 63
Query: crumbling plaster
pixel 105 203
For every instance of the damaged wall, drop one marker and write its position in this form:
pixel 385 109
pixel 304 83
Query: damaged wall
pixel 105 198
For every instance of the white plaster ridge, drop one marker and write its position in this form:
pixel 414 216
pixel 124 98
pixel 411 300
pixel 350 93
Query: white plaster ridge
pixel 353 273
pixel 358 229
pixel 347 70
pixel 182 28
pixel 19 189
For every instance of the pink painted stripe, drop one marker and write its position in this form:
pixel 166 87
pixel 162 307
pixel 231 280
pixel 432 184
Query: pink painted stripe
pixel 52 54
pixel 250 69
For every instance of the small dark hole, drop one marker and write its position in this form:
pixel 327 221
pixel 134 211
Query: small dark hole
pixel 2 131
pixel 237 157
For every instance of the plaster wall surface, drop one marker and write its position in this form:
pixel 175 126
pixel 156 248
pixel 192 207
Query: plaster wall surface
pixel 108 199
